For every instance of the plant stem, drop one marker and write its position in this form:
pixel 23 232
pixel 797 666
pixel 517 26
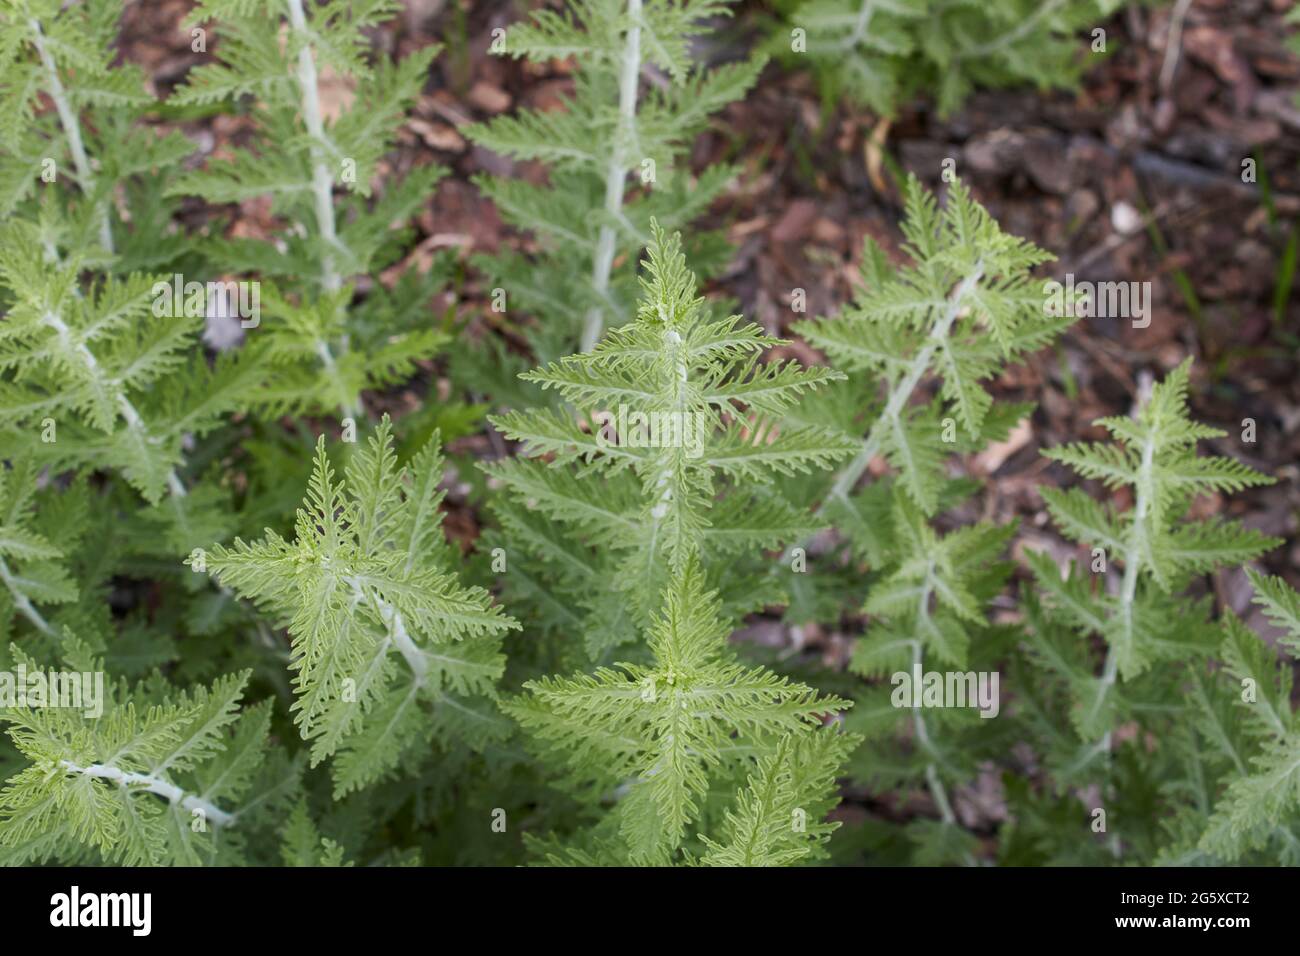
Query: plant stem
pixel 72 130
pixel 321 181
pixel 402 640
pixel 938 792
pixel 1132 564
pixel 348 406
pixel 1128 593
pixel 162 788
pixel 860 26
pixel 21 601
pixel 392 619
pixel 1011 36
pixel 615 174
pixel 134 423
pixel 322 184
pixel 899 395
pixel 681 373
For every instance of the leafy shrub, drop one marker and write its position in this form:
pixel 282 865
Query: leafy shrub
pixel 585 219
pixel 1150 620
pixel 365 582
pixel 691 720
pixel 880 53
pixel 256 610
pixel 919 343
pixel 321 350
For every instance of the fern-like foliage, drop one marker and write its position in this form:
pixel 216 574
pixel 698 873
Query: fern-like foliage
pixel 303 844
pixel 389 648
pixel 880 53
pixel 585 218
pixel 1153 454
pixel 91 374
pixel 159 777
pixel 963 307
pixel 1235 792
pixel 921 344
pixel 691 718
pixel 1258 810
pixel 34 545
pixel 97 379
pixel 927 604
pixel 773 822
pixel 680 420
pixel 324 349
pixel 91 137
pixel 932 594
pixel 1155 550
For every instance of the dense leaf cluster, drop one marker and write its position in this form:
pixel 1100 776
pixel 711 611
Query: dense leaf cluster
pixel 303 632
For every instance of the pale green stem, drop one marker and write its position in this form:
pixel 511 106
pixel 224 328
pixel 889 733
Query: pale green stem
pixel 615 174
pixel 322 189
pixel 72 130
pixel 321 181
pixel 1128 592
pixel 21 601
pixel 1011 36
pixel 937 789
pixel 900 394
pixel 860 26
pixel 141 781
pixel 132 417
pixel 397 632
pixel 672 342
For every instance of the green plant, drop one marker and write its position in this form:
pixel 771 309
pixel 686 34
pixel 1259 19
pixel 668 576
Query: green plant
pixel 1252 745
pixel 323 348
pixel 1148 619
pixel 92 373
pixel 690 474
pixel 160 776
pixel 585 218
pixel 63 52
pixel 920 343
pixel 652 502
pixel 964 306
pixel 364 583
pixel 880 53
pixel 32 566
pixel 96 379
pixel 683 719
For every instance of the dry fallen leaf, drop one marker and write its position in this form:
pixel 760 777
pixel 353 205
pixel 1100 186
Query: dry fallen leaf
pixel 995 455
